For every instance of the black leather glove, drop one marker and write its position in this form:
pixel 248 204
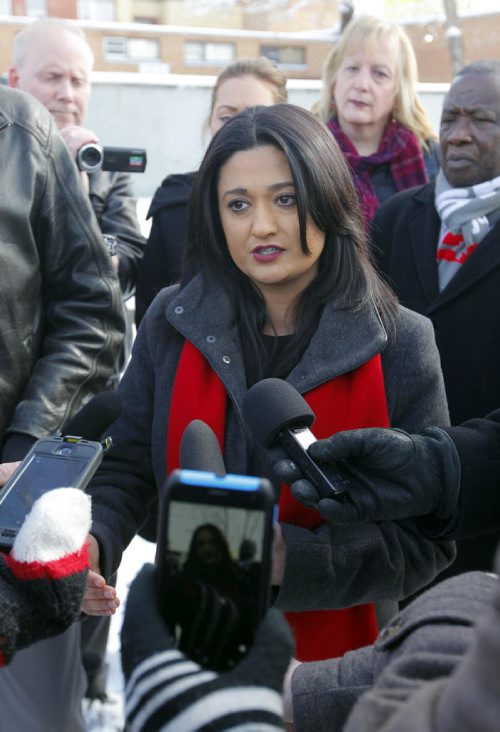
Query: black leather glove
pixel 392 475
pixel 164 686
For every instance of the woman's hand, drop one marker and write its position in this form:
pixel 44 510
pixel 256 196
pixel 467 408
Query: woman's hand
pixel 6 471
pixel 99 598
pixel 287 693
pixel 278 557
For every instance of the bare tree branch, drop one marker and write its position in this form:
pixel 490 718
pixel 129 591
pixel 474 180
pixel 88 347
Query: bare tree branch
pixel 454 36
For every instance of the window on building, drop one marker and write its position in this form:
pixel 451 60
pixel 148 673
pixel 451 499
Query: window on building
pixel 96 9
pixel 145 19
pixel 131 50
pixel 143 49
pixel 36 8
pixel 115 48
pixel 291 57
pixel 199 53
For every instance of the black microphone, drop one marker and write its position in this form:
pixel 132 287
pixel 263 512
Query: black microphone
pixel 200 449
pixel 276 412
pixel 94 417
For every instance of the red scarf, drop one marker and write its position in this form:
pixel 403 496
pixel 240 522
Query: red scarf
pixel 399 147
pixel 352 400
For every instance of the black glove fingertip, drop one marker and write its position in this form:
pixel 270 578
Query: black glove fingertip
pixel 287 471
pixel 305 493
pixel 340 513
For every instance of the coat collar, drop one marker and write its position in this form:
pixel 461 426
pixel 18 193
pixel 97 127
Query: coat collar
pixel 343 340
pixel 5 120
pixel 424 226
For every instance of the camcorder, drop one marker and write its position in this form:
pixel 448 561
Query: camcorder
pixel 92 157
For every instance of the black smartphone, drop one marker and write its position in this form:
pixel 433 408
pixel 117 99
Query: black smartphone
pixel 213 562
pixel 53 462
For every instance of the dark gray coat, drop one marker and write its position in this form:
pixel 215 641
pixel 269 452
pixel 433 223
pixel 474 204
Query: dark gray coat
pixel 434 668
pixel 135 469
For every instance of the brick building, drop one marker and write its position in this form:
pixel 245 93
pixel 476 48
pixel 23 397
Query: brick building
pixel 174 36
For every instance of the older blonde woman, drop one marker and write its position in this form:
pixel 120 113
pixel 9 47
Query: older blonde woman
pixel 370 104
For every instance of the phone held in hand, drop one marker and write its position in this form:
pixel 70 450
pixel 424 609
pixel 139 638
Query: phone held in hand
pixel 53 462
pixel 213 562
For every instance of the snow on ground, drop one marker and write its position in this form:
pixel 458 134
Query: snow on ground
pixel 138 553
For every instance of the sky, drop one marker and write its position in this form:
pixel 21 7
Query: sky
pixel 414 9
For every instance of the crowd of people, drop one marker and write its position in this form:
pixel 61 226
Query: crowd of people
pixel 346 250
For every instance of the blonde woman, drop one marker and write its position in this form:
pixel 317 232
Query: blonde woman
pixel 369 103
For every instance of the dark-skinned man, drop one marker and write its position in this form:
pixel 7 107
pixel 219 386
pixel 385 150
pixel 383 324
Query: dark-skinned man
pixel 439 247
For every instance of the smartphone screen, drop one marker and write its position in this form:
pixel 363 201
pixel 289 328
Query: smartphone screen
pixel 40 474
pixel 52 462
pixel 215 570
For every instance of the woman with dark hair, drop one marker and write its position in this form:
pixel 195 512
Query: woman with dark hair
pixel 208 546
pixel 211 592
pixel 209 560
pixel 245 83
pixel 278 282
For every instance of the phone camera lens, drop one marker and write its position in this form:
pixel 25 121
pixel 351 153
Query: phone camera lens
pixel 64 450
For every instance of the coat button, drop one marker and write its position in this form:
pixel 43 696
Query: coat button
pixel 179 310
pixel 226 359
pixel 391 630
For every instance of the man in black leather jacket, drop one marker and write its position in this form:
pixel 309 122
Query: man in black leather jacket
pixel 53 61
pixel 61 324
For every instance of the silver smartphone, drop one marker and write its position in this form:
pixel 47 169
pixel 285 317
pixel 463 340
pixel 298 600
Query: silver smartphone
pixel 53 462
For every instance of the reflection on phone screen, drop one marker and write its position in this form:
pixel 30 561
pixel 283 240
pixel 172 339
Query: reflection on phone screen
pixel 213 562
pixel 40 474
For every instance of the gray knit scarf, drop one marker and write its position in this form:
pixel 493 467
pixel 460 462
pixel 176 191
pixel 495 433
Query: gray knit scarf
pixel 468 212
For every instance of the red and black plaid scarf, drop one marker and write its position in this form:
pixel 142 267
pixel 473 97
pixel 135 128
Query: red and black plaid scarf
pixel 399 147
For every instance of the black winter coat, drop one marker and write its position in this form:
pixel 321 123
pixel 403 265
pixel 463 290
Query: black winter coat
pixel 161 265
pixel 465 315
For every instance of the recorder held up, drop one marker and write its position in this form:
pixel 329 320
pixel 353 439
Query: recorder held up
pixel 92 157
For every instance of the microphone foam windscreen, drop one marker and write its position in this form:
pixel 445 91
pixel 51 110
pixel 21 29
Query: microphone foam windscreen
pixel 95 417
pixel 200 449
pixel 271 405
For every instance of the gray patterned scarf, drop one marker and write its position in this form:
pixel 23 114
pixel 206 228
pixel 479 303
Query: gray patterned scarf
pixel 468 213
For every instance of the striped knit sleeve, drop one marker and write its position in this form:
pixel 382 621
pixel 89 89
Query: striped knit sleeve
pixel 166 690
pixel 171 693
